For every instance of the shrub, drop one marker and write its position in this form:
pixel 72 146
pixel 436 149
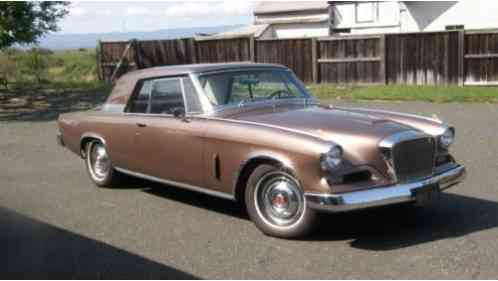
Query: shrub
pixel 7 68
pixel 58 62
pixel 34 63
pixel 42 51
pixel 12 52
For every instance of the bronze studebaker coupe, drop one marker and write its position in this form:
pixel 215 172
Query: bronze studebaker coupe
pixel 253 133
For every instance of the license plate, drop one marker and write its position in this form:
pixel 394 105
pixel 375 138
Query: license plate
pixel 427 194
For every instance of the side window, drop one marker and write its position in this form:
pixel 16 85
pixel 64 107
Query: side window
pixel 166 96
pixel 141 101
pixel 191 96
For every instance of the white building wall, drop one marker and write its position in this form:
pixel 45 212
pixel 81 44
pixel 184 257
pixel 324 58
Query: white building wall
pixel 383 17
pixel 370 17
pixel 405 16
pixel 297 30
pixel 435 16
pixel 296 24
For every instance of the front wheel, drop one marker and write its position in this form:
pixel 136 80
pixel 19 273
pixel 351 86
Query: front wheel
pixel 99 165
pixel 275 203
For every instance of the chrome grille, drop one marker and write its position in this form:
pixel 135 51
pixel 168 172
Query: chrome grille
pixel 413 159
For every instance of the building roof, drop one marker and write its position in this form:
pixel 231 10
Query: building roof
pixel 244 31
pixel 266 7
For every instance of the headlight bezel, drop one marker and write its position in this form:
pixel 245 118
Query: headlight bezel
pixel 332 159
pixel 447 138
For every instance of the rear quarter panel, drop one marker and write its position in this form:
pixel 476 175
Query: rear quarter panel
pixel 111 127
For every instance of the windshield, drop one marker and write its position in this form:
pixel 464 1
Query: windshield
pixel 251 85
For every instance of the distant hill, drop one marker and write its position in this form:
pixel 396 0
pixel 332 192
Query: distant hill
pixel 89 40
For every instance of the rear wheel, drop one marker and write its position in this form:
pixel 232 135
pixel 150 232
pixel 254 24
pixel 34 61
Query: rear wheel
pixel 99 165
pixel 275 203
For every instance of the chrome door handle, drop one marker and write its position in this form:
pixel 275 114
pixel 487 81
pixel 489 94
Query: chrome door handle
pixel 141 125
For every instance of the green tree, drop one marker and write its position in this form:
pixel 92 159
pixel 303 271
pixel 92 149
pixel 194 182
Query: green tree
pixel 25 22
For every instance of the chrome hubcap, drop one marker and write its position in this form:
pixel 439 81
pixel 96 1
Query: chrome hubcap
pixel 99 160
pixel 279 200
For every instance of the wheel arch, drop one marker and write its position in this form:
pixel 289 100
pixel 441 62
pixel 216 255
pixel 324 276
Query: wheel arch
pixel 86 138
pixel 252 162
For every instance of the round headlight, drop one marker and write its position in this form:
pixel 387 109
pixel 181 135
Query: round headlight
pixel 332 159
pixel 447 138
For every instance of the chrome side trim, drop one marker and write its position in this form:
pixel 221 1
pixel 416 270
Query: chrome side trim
pixel 383 196
pixel 178 184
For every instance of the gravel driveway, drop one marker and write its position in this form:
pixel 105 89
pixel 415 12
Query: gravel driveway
pixel 55 222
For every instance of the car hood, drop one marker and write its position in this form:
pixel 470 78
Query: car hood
pixel 358 133
pixel 337 125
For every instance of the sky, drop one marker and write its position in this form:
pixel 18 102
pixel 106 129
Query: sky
pixel 118 16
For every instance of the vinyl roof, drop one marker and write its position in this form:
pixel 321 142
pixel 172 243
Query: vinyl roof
pixel 194 68
pixel 125 85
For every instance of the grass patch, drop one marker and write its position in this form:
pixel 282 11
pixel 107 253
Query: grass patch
pixel 436 94
pixel 75 69
pixel 74 66
pixel 63 86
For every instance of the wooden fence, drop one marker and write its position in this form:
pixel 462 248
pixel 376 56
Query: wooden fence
pixel 427 58
pixel 351 60
pixel 293 53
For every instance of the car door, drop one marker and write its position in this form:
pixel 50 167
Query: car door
pixel 168 145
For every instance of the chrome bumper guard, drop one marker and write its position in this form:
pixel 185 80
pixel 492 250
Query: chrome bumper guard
pixel 60 141
pixel 382 196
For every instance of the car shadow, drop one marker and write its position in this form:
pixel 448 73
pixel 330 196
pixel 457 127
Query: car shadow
pixel 381 229
pixel 200 200
pixel 408 225
pixel 31 249
pixel 46 104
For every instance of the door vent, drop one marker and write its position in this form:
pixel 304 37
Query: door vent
pixel 216 167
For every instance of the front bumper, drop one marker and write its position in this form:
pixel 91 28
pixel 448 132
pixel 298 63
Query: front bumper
pixel 382 196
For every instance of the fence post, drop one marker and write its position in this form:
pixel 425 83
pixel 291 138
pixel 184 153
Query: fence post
pixel 98 57
pixel 461 58
pixel 252 51
pixel 193 49
pixel 382 67
pixel 138 55
pixel 123 58
pixel 314 60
